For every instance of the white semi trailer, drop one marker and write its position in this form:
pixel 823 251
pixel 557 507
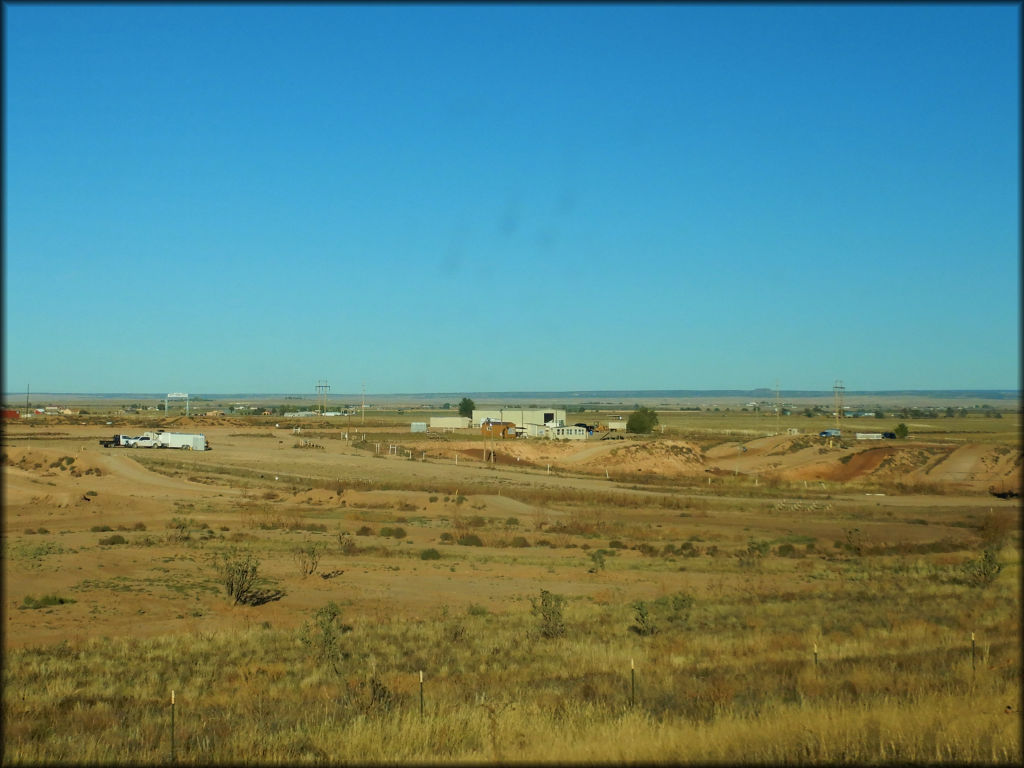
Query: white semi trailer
pixel 188 442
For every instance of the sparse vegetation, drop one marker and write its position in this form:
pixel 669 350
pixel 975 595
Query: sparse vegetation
pixel 770 625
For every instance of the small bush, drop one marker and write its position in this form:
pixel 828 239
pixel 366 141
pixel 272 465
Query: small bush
pixel 45 601
pixel 548 609
pixel 786 550
pixel 307 557
pixel 238 572
pixel 520 541
pixel 101 528
pixel 430 554
pixel 433 499
pixel 117 538
pixel 365 531
pixel 394 533
pixel 470 540
pixel 616 544
pixel 643 622
pixel 982 571
pixel 323 637
pixel 476 610
pixel 447 538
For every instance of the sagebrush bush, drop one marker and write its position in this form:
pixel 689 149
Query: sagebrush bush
pixel 548 608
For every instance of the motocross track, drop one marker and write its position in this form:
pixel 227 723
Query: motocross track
pixel 63 494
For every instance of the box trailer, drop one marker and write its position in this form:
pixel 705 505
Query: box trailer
pixel 188 442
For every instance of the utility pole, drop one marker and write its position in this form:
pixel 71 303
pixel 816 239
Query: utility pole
pixel 322 388
pixel 837 391
pixel 778 409
pixel 364 403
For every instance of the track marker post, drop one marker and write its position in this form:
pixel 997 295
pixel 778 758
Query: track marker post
pixel 973 663
pixel 172 726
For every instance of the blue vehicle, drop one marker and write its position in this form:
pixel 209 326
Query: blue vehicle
pixel 830 433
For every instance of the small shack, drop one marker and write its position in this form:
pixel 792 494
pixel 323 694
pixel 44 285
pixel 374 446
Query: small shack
pixel 499 429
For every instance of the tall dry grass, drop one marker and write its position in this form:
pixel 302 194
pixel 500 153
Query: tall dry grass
pixel 734 680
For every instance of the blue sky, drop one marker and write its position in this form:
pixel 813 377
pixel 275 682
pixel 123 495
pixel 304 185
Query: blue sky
pixel 232 198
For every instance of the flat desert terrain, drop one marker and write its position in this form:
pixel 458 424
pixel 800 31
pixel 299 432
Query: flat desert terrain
pixel 779 597
pixel 278 487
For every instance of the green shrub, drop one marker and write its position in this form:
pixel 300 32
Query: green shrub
pixel 323 637
pixel 447 538
pixel 101 528
pixel 365 531
pixel 430 554
pixel 616 544
pixel 643 622
pixel 470 540
pixel 346 545
pixel 117 538
pixel 548 609
pixel 520 541
pixel 33 603
pixel 238 572
pixel 307 557
pixel 982 571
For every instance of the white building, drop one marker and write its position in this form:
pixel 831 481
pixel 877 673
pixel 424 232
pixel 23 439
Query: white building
pixel 449 422
pixel 567 433
pixel 531 422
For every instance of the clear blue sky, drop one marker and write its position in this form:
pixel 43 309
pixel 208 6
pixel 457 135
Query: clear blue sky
pixel 233 198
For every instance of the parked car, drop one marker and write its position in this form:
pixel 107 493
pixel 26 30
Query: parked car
pixel 888 435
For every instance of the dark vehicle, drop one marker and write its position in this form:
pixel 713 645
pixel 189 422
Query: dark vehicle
pixel 888 435
pixel 116 441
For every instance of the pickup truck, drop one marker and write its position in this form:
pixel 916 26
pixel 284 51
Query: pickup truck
pixel 146 441
pixel 116 441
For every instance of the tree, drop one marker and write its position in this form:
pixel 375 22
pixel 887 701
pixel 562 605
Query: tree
pixel 901 430
pixel 642 420
pixel 466 407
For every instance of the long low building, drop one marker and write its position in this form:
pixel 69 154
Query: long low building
pixel 532 422
pixel 449 422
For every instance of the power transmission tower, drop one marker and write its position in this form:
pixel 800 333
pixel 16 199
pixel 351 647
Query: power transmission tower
pixel 837 396
pixel 322 388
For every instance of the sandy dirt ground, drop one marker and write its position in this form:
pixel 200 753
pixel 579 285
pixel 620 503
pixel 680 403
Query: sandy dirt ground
pixel 64 493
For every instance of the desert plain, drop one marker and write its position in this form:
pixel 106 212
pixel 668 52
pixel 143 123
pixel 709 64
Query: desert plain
pixel 671 596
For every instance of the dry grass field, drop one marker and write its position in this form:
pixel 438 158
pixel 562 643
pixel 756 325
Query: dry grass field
pixel 715 592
